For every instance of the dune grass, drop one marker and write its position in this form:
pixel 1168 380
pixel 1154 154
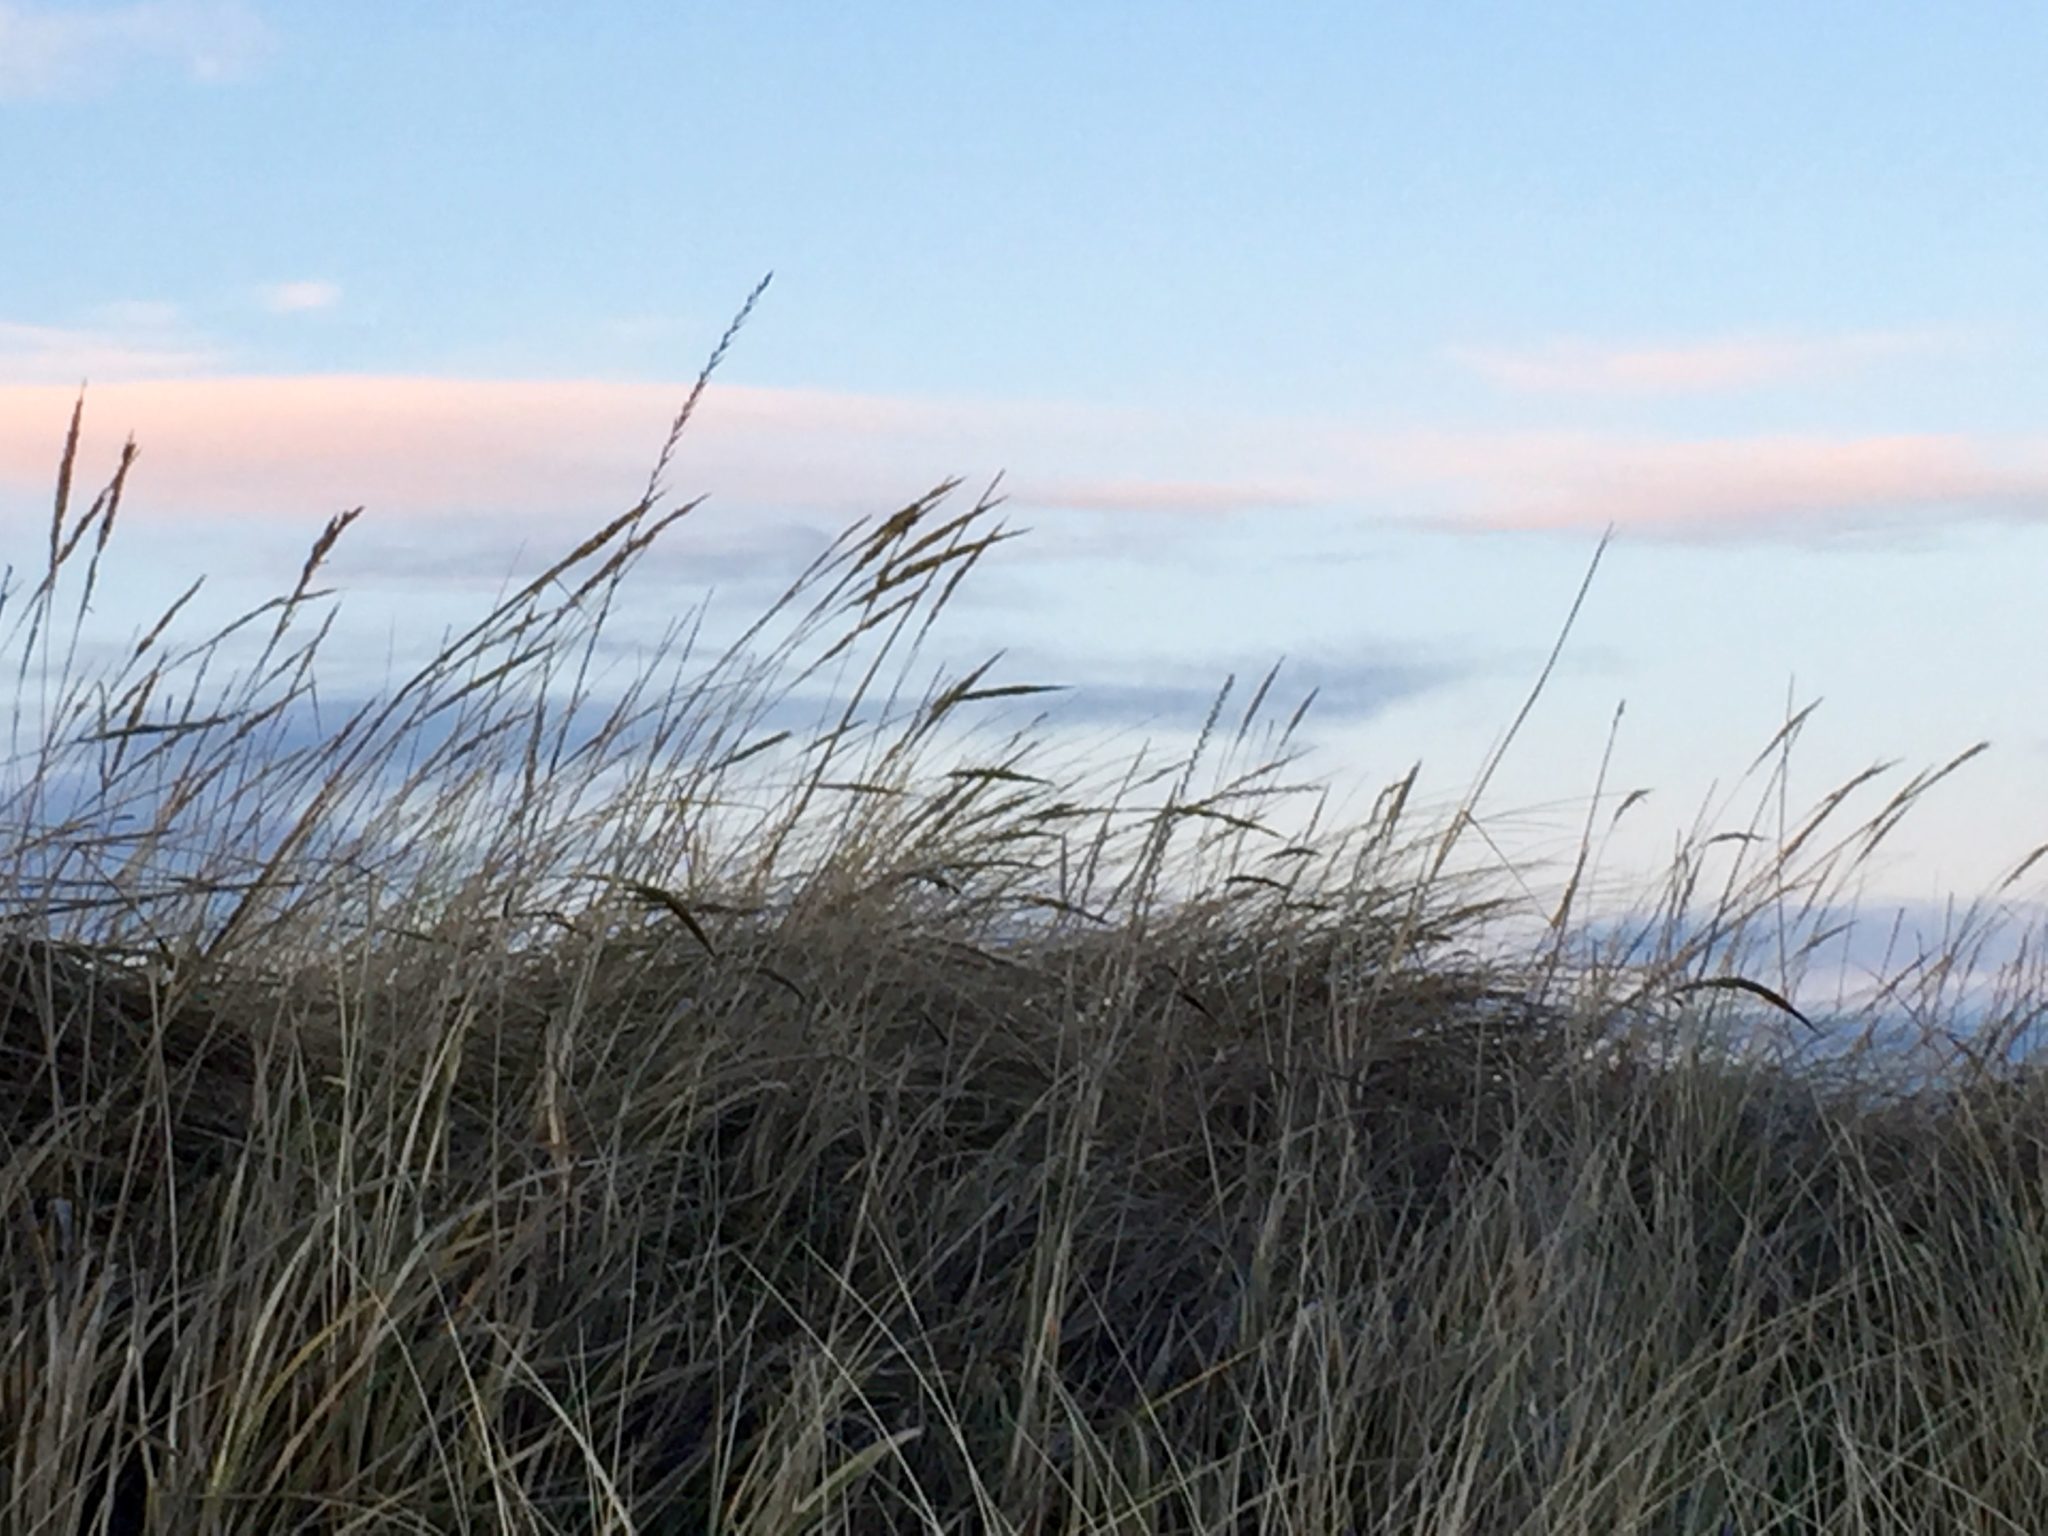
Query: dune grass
pixel 533 1103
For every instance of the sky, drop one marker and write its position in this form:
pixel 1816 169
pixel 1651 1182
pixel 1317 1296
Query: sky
pixel 1339 333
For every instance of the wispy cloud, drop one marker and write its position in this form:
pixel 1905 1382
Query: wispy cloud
pixel 60 50
pixel 1573 366
pixel 296 298
pixel 421 447
pixel 1213 497
pixel 243 446
pixel 1715 487
pixel 1344 695
pixel 143 341
pixel 139 315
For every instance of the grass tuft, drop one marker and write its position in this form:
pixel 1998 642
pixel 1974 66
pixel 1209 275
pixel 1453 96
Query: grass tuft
pixel 524 1105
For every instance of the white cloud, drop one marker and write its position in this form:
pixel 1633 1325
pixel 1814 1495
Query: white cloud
pixel 59 50
pixel 296 298
pixel 147 346
pixel 1575 366
pixel 139 315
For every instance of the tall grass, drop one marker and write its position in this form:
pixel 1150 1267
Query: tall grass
pixel 526 1104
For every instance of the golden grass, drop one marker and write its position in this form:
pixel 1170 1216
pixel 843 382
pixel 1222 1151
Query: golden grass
pixel 496 1115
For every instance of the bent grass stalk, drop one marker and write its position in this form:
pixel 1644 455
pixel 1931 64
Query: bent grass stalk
pixel 519 1104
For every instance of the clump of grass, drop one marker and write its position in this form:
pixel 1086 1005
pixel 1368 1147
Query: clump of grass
pixel 518 1105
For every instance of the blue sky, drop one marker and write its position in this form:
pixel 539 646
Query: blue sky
pixel 1332 331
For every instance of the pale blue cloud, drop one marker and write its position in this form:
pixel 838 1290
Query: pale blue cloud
pixel 89 50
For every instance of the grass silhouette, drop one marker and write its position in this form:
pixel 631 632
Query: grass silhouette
pixel 522 1106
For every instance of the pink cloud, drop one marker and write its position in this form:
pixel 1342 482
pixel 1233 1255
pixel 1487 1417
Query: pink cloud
pixel 1580 367
pixel 1745 484
pixel 304 447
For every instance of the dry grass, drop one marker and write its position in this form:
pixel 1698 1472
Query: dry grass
pixel 496 1115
